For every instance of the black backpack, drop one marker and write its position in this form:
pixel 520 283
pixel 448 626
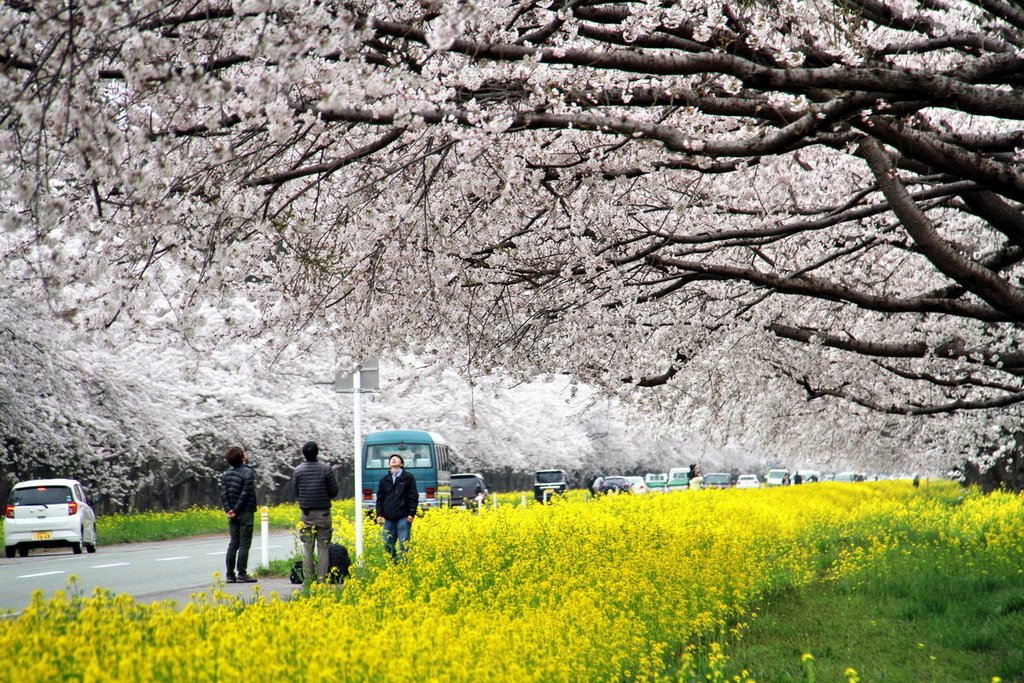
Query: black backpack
pixel 297 573
pixel 338 563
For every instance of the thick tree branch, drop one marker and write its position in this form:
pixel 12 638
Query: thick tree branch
pixel 990 287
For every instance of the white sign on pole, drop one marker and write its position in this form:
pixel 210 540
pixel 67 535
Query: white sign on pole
pixel 366 378
pixel 369 378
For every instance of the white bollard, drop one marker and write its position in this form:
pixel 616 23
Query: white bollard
pixel 522 503
pixel 547 495
pixel 265 536
pixel 494 501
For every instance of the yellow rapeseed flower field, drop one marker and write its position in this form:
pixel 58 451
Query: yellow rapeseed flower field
pixel 616 589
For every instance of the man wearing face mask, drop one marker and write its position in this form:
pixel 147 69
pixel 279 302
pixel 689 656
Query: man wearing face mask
pixel 397 502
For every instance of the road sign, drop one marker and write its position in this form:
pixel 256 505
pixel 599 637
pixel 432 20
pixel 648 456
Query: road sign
pixel 369 378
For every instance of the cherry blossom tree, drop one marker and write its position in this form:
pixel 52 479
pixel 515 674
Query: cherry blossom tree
pixel 784 217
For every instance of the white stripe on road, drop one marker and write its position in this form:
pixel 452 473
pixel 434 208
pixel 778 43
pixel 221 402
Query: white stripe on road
pixel 32 576
pixel 257 548
pixel 115 564
pixel 171 559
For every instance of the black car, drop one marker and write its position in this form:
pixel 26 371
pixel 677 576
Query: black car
pixel 465 488
pixel 615 485
pixel 548 483
pixel 717 480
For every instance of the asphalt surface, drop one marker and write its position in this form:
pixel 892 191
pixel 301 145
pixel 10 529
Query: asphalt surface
pixel 167 570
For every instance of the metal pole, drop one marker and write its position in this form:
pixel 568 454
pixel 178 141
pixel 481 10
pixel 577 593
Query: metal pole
pixel 357 460
pixel 265 536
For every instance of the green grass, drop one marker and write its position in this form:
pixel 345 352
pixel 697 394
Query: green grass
pixel 925 615
pixel 158 526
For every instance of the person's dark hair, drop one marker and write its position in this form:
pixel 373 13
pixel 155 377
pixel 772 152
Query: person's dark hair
pixel 310 450
pixel 400 458
pixel 234 456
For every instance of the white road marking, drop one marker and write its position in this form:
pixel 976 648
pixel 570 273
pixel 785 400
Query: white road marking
pixel 32 576
pixel 253 548
pixel 171 559
pixel 115 564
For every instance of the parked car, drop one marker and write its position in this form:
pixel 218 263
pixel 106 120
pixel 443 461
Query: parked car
pixel 807 476
pixel 656 481
pixel 637 484
pixel 717 480
pixel 776 477
pixel 748 481
pixel 678 479
pixel 547 483
pixel 849 476
pixel 615 484
pixel 48 513
pixel 465 487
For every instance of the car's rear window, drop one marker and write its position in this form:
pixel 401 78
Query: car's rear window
pixel 717 479
pixel 41 495
pixel 550 477
pixel 462 481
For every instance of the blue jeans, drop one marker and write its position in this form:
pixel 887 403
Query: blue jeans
pixel 396 530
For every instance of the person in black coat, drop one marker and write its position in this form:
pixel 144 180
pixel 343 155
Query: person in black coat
pixel 315 487
pixel 238 498
pixel 397 502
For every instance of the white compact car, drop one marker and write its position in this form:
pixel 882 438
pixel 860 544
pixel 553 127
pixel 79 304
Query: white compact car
pixel 748 481
pixel 48 513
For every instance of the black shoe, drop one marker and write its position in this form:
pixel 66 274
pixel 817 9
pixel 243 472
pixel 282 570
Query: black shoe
pixel 246 579
pixel 230 579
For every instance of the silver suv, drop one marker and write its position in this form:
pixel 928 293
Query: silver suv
pixel 48 513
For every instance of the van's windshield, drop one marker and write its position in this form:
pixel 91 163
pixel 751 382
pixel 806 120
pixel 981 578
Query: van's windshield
pixel 414 455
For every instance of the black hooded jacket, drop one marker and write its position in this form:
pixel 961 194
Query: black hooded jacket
pixel 238 490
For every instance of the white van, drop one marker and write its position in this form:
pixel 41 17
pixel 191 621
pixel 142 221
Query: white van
pixel 776 477
pixel 657 482
pixel 678 479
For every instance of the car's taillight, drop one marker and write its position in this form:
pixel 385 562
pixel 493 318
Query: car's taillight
pixel 367 494
pixel 430 492
pixel 9 512
pixel 72 508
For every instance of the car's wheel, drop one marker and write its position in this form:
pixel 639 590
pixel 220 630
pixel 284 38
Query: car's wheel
pixel 76 548
pixel 91 547
pixel 22 551
pixel 9 550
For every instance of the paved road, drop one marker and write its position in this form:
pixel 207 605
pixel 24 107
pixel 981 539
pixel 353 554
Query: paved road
pixel 149 571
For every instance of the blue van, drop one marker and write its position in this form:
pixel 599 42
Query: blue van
pixel 427 457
